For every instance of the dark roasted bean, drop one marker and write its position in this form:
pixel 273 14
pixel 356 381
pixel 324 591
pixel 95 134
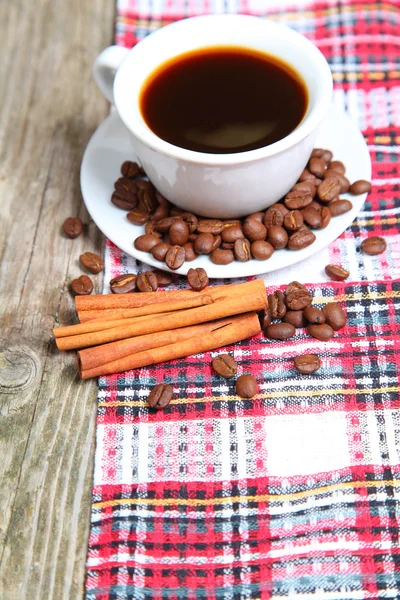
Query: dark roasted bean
pixel 276 304
pixel 261 250
pixel 145 242
pixel 125 187
pixel 242 250
pixel 340 207
pixel 328 189
pixel 147 200
pixel 321 332
pixel 147 282
pixel 163 225
pixel 306 186
pixel 217 242
pixel 159 251
pixel 222 257
pixel 293 220
pixel 295 318
pixel 203 243
pixel 82 286
pixel 312 217
pixel 246 386
pixel 190 220
pixel 258 216
pixel 265 318
pixel 128 203
pixel 317 166
pixel 335 315
pixel 298 198
pixel 337 165
pixel 227 246
pixel 213 226
pixel 297 296
pixel 336 272
pixel 307 176
pixel 280 206
pixel 301 239
pixel 277 237
pixel 160 396
pixel 254 230
pixel 273 217
pixel 129 169
pixel 314 315
pixel 344 182
pixel 280 331
pixel 307 363
pixel 92 262
pixel 233 233
pixel 175 257
pixel 197 279
pixel 325 217
pixel 149 228
pixel 72 227
pixel 138 217
pixel 360 187
pixel 162 210
pixel 124 284
pixel 224 365
pixel 178 233
pixel 190 254
pixel 163 279
pixel 373 245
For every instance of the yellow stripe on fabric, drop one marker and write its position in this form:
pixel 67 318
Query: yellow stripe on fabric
pixel 389 221
pixel 335 487
pixel 286 394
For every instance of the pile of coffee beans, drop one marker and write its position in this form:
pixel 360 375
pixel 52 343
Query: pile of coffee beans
pixel 174 236
pixel 292 309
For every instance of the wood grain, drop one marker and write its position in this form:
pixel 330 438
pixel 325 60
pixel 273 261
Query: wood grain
pixel 49 109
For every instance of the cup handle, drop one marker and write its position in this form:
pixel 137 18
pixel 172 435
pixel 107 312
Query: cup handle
pixel 105 68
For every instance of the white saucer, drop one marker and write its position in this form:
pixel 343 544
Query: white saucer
pixel 110 146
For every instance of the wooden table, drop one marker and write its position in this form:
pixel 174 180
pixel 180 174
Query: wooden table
pixel 49 109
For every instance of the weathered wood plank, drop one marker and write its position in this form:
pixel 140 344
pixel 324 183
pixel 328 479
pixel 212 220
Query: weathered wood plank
pixel 49 108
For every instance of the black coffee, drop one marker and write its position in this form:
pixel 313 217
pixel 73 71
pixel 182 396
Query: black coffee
pixel 223 100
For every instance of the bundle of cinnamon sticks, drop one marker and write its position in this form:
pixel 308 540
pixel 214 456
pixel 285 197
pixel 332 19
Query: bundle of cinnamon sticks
pixel 121 332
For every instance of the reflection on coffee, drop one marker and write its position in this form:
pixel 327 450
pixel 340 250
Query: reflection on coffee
pixel 223 100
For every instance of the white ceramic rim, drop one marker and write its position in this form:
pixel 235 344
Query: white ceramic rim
pixel 150 139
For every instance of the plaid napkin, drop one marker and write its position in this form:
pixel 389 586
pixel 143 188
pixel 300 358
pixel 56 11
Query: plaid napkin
pixel 294 493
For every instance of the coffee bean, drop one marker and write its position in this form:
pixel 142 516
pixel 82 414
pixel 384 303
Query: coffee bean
pixel 246 386
pixel 322 153
pixel 233 233
pixel 258 216
pixel 321 332
pixel 261 250
pixel 297 296
pixel 149 229
pixel 222 257
pixel 192 237
pixel 276 304
pixel 301 239
pixel 277 237
pixel 163 279
pixel 314 315
pixel 82 286
pixel 175 257
pixel 147 282
pixel 280 331
pixel 293 220
pixel 335 315
pixel 146 242
pixel 295 318
pixel 273 217
pixel 125 187
pixel 281 207
pixel 197 279
pixel 360 187
pixel 316 206
pixel 373 245
pixel 217 242
pixel 72 227
pixel 190 254
pixel 317 166
pixel 190 220
pixel 307 363
pixel 336 272
pixel 254 230
pixel 265 318
pixel 213 226
pixel 325 217
pixel 224 365
pixel 178 233
pixel 298 198
pixel 160 396
pixel 337 165
pixel 92 262
pixel 227 246
pixel 159 251
pixel 176 212
pixel 307 176
pixel 124 284
pixel 147 200
pixel 203 243
pixel 312 217
pixel 305 187
pixel 344 182
pixel 138 217
pixel 129 169
pixel 163 225
pixel 339 207
pixel 128 203
pixel 328 189
pixel 162 210
pixel 242 250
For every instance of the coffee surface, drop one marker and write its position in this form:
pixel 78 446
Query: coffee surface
pixel 223 100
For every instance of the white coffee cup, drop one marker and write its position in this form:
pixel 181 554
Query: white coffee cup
pixel 217 185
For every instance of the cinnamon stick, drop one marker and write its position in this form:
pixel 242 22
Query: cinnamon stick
pixel 117 301
pixel 106 353
pixel 238 329
pixel 232 305
pixel 131 315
